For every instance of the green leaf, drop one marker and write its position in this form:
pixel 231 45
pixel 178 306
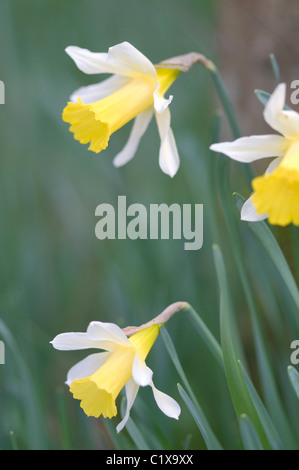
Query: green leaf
pixel 249 435
pixel 211 167
pixel 13 441
pixel 270 390
pixel 225 196
pixel 270 430
pixel 226 102
pixel 197 418
pixel 230 113
pixel 63 421
pixel 34 421
pixel 266 237
pixel 266 374
pixel 275 68
pixel 213 441
pixel 240 395
pixel 263 97
pixel 132 429
pixel 205 334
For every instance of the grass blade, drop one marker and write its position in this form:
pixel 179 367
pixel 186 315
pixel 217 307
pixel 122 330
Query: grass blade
pixel 206 334
pixel 34 422
pixel 230 113
pixel 214 443
pixel 270 430
pixel 63 421
pixel 249 435
pixel 266 237
pixel 133 430
pixel 275 68
pixel 263 97
pixel 13 441
pixel 196 416
pixel 240 395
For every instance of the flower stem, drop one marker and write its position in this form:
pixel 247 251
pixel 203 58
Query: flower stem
pixel 230 113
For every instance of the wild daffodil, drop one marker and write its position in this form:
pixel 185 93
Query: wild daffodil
pixel 98 379
pixel 276 193
pixel 136 91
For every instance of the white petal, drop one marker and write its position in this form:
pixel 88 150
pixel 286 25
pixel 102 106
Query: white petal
pixel 87 366
pixel 92 93
pixel 161 103
pixel 141 373
pixel 92 62
pixel 132 61
pixel 108 335
pixel 284 121
pixel 140 125
pixel 73 341
pixel 249 213
pixel 273 165
pixel 255 147
pixel 131 393
pixel 169 159
pixel 166 404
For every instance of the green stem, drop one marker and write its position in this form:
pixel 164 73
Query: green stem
pixel 230 113
pixel 226 103
pixel 206 335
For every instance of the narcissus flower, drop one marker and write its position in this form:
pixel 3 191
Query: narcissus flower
pixel 276 193
pixel 98 379
pixel 135 91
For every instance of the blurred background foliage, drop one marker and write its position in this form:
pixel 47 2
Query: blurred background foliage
pixel 57 276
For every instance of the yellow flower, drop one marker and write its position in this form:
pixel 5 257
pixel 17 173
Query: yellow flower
pixel 98 379
pixel 135 91
pixel 276 193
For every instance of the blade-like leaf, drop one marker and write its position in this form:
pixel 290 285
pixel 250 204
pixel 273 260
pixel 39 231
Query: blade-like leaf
pixel 275 68
pixel 205 334
pixel 213 441
pixel 266 237
pixel 249 435
pixel 34 422
pixel 270 430
pixel 240 395
pixel 230 113
pixel 133 430
pixel 196 416
pixel 263 97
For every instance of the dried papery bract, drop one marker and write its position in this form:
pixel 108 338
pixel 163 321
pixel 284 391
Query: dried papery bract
pixel 185 62
pixel 161 319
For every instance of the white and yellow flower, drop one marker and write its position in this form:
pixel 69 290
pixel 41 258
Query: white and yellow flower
pixel 135 91
pixel 98 379
pixel 276 193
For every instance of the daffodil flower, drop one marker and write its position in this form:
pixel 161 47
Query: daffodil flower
pixel 98 379
pixel 276 193
pixel 135 90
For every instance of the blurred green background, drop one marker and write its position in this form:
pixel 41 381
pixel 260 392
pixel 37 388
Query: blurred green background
pixel 56 276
